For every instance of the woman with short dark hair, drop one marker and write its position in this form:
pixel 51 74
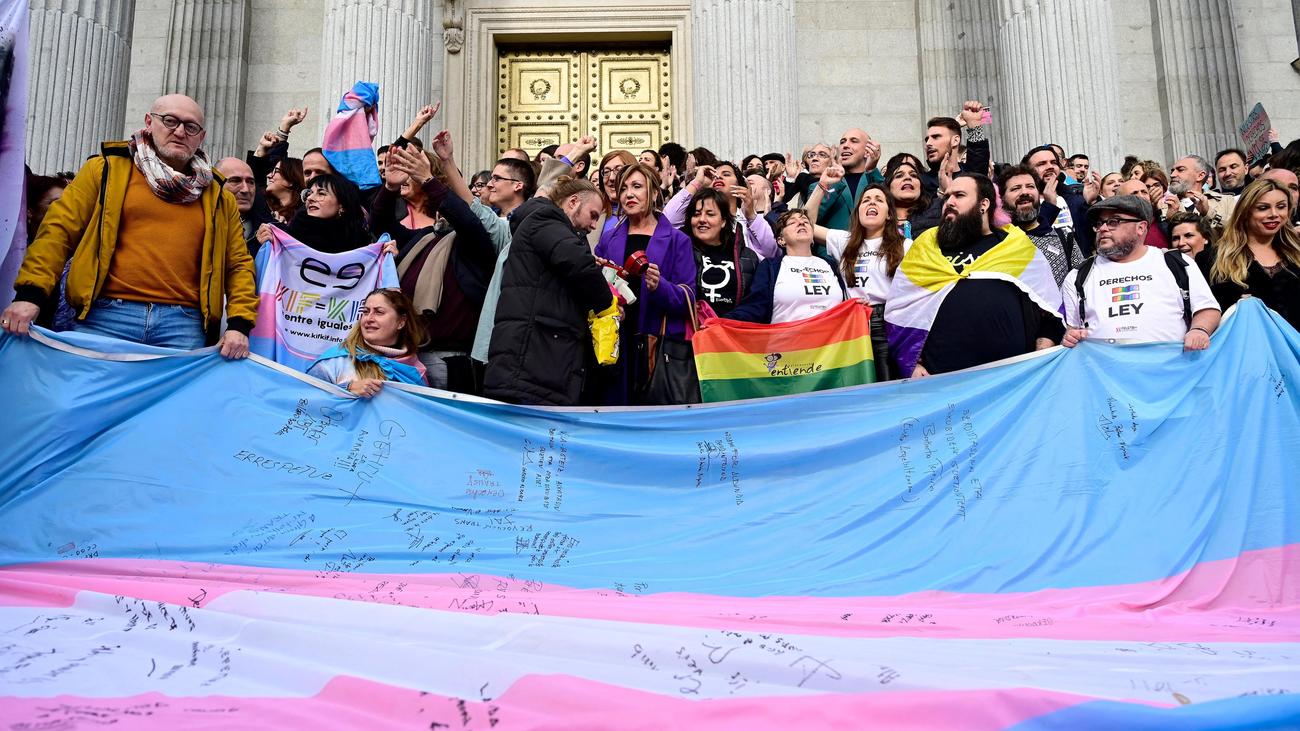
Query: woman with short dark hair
pixel 726 265
pixel 332 218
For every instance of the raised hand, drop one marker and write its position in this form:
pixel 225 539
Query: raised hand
pixel 948 167
pixel 833 174
pixel 704 175
pixel 873 154
pixel 292 118
pixel 745 197
pixel 426 113
pixel 972 113
pixel 442 146
pixel 412 162
pixel 1092 187
pixel 265 144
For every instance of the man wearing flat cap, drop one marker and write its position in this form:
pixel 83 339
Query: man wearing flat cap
pixel 1132 292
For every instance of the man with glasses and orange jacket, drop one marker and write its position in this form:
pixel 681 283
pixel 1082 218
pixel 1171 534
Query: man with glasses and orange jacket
pixel 156 246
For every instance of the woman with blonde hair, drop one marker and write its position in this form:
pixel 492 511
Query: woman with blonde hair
pixel 1258 253
pixel 383 345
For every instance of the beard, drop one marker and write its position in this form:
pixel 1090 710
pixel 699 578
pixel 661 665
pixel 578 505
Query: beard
pixel 960 231
pixel 1116 250
pixel 1022 213
pixel 1179 188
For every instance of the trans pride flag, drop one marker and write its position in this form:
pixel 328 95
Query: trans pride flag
pixel 1057 542
pixel 350 136
pixel 743 360
pixel 308 300
pixel 925 277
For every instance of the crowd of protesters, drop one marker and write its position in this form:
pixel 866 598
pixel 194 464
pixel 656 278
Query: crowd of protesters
pixel 502 271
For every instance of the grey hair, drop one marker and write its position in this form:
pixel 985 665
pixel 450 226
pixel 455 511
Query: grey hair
pixel 1201 163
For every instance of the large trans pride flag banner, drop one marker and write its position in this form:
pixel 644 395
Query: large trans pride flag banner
pixel 308 300
pixel 1099 538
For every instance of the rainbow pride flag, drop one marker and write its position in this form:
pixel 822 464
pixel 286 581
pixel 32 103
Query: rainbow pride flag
pixel 350 136
pixel 745 360
pixel 193 543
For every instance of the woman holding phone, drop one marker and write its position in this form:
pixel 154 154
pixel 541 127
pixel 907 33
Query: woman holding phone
pixel 727 179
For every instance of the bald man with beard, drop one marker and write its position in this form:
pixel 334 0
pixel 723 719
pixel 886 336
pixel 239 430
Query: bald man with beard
pixel 155 243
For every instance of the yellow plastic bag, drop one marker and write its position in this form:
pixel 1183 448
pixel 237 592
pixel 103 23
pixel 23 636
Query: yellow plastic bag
pixel 604 332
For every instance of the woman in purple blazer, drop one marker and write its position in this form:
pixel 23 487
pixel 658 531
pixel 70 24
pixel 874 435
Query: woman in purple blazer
pixel 661 304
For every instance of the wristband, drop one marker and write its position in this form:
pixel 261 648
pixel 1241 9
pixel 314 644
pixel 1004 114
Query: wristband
pixel 1207 332
pixel 565 159
pixel 281 134
pixel 822 185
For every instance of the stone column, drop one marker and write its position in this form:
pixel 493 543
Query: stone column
pixel 1056 65
pixel 1199 77
pixel 76 95
pixel 745 85
pixel 959 59
pixel 207 58
pixel 394 43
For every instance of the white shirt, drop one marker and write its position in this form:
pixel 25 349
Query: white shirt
pixel 1136 300
pixel 805 286
pixel 871 279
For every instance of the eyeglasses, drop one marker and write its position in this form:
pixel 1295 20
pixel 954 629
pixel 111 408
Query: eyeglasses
pixel 309 192
pixel 824 155
pixel 498 179
pixel 1114 223
pixel 172 123
pixel 612 171
pixel 478 184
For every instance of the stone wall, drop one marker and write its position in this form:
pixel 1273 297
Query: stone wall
pixel 1267 44
pixel 858 66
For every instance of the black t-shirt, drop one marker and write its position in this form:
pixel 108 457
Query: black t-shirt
pixel 852 180
pixel 983 320
pixel 718 278
pixel 635 243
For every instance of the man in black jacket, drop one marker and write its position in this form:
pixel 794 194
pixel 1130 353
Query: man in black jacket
pixel 943 136
pixel 550 283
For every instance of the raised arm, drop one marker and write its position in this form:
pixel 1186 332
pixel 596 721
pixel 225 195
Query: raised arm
pixel 442 147
pixel 422 117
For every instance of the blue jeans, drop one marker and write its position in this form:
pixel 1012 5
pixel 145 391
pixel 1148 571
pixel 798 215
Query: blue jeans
pixel 167 326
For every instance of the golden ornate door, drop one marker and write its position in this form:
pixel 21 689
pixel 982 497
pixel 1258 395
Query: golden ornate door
pixel 549 98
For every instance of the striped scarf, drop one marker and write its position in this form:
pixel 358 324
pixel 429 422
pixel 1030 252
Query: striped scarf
pixel 925 277
pixel 164 181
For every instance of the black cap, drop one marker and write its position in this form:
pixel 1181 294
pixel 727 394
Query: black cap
pixel 773 157
pixel 1130 204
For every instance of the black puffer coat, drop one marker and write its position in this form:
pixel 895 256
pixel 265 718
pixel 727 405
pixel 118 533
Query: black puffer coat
pixel 549 283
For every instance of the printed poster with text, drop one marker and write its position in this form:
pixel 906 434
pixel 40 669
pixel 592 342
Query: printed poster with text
pixel 308 300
